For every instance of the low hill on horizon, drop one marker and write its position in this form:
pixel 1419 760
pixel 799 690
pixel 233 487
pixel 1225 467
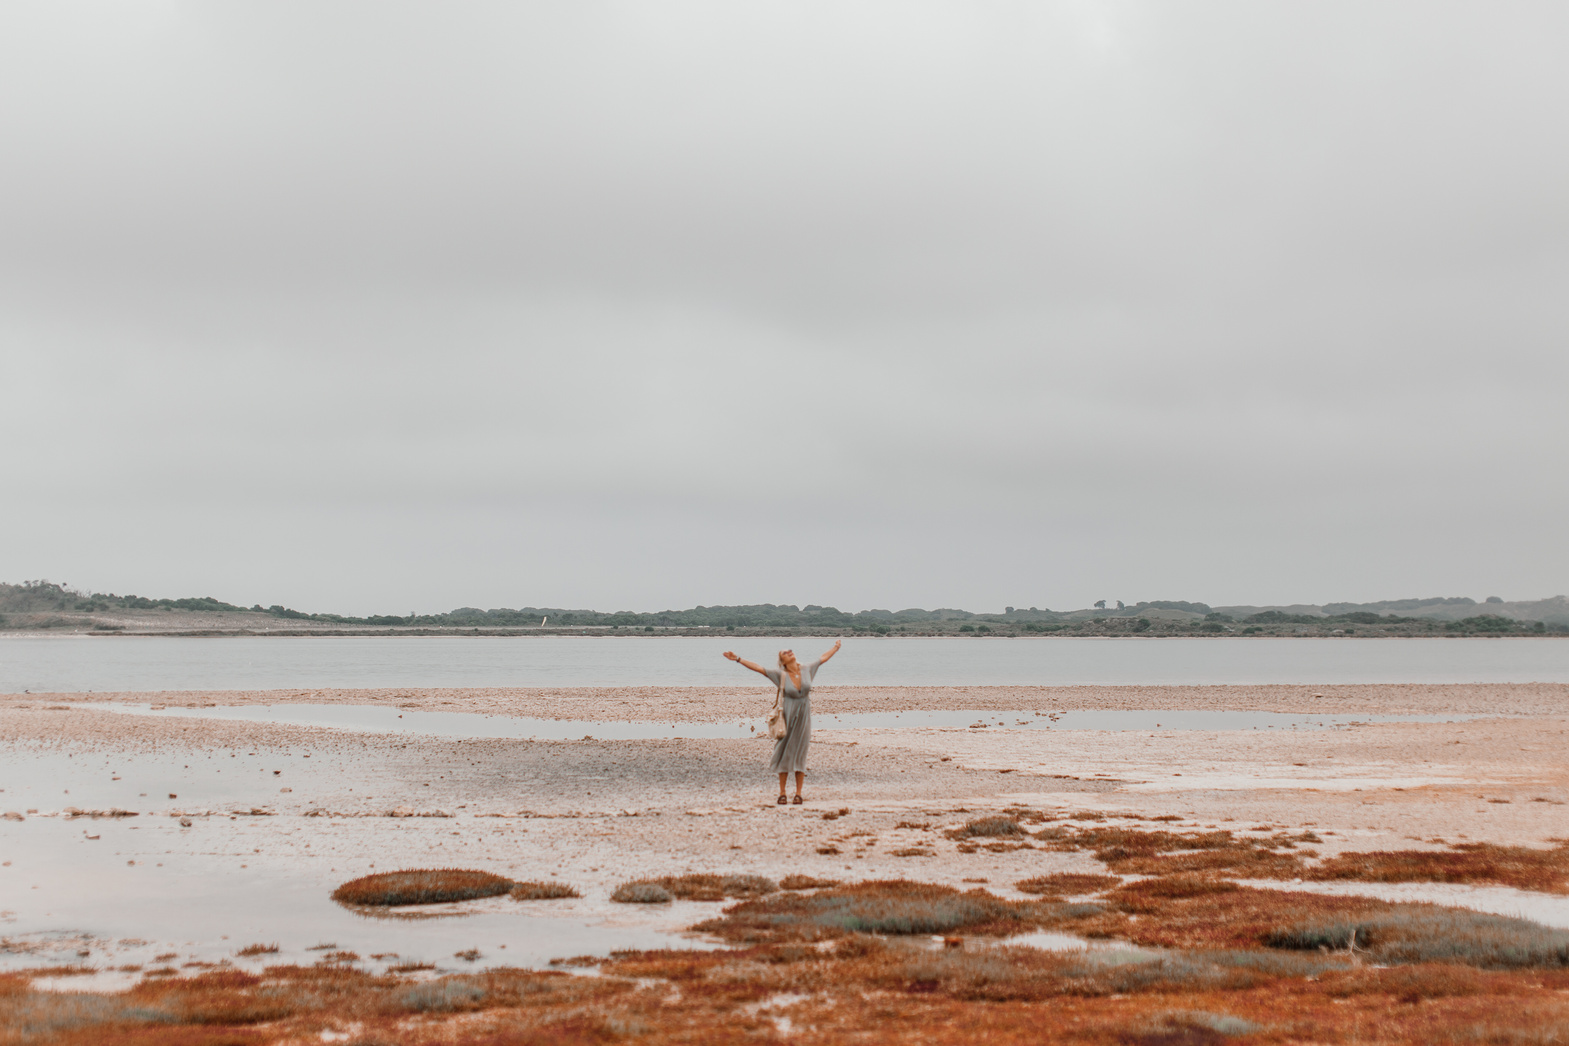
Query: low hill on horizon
pixel 34 605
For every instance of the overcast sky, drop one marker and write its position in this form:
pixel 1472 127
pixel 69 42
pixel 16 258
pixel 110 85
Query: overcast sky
pixel 379 307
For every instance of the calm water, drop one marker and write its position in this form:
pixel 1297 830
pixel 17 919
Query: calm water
pixel 118 893
pixel 82 663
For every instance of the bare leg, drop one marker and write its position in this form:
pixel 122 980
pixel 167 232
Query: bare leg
pixel 800 775
pixel 782 778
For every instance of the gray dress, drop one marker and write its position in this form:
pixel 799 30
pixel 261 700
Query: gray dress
pixel 790 750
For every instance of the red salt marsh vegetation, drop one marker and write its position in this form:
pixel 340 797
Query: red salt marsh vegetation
pixel 421 886
pixel 1281 855
pixel 696 887
pixel 897 907
pixel 441 885
pixel 1522 867
pixel 856 964
pixel 1136 851
pixel 1188 943
pixel 1067 883
pixel 541 891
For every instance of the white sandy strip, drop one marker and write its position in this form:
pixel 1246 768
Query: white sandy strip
pixel 1241 782
pixel 1193 761
pixel 1547 909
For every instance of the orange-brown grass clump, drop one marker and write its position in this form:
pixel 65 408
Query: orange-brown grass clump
pixel 411 966
pixel 986 826
pixel 541 891
pixel 641 891
pixel 895 906
pixel 1133 851
pixel 696 887
pixel 1204 912
pixel 1141 895
pixel 1522 867
pixel 1067 883
pixel 1028 815
pixel 1412 984
pixel 421 886
pixel 805 882
pixel 1424 933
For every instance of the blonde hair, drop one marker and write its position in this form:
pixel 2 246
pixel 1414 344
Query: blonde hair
pixel 782 654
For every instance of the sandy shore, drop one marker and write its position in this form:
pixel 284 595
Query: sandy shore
pixel 325 805
pixel 720 703
pixel 1394 780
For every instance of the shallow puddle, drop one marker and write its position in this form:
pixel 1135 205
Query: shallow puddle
pixel 1049 941
pixel 111 891
pixel 382 719
pixel 68 900
pixel 1099 952
pixel 1547 909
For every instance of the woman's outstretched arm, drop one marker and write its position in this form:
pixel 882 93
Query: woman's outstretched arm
pixel 837 644
pixel 744 663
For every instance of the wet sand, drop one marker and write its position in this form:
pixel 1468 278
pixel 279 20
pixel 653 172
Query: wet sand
pixel 720 703
pixel 318 806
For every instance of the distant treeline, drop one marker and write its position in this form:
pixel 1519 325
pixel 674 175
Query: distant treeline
pixel 44 597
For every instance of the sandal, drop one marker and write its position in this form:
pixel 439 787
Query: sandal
pixel 783 800
pixel 796 800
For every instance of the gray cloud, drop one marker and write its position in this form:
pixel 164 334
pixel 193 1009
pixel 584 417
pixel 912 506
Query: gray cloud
pixel 881 304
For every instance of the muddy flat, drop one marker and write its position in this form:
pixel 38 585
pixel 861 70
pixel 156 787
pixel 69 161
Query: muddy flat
pixel 334 803
pixel 150 837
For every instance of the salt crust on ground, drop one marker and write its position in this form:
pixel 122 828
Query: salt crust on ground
pixel 704 805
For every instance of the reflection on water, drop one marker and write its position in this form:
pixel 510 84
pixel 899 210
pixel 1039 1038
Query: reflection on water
pixel 130 663
pixel 71 900
pixel 1047 940
pixel 380 719
pixel 122 891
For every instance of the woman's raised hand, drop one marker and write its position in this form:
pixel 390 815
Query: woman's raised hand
pixel 732 655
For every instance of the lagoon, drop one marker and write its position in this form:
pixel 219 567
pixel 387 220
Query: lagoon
pixel 78 664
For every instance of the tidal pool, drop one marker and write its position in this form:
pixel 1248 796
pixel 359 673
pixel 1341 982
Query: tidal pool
pixel 67 899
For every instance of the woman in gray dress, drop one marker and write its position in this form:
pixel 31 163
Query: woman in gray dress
pixel 795 683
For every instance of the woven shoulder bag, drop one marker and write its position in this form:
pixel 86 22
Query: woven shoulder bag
pixel 777 727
